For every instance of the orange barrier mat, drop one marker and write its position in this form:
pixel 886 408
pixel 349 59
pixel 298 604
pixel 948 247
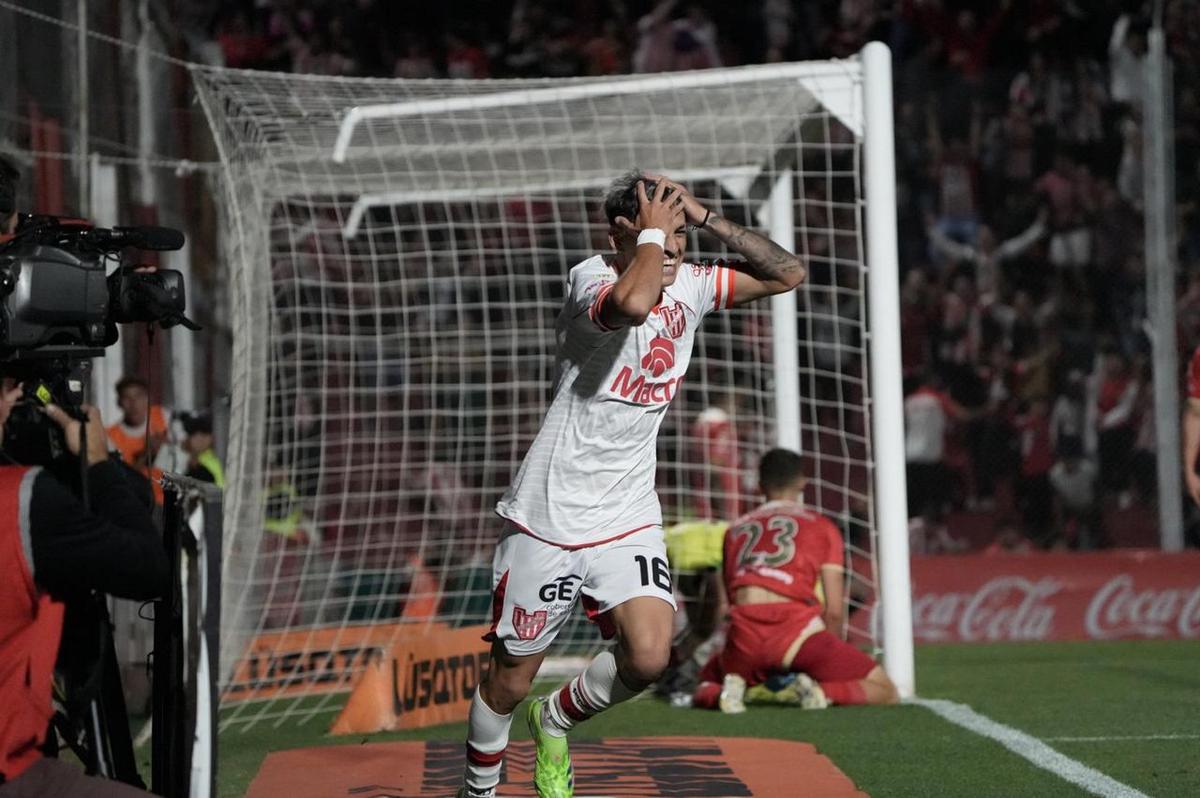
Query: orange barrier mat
pixel 681 767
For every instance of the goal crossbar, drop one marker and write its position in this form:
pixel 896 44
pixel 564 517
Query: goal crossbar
pixel 809 75
pixel 729 177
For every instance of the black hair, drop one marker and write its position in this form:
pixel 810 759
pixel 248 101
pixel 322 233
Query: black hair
pixel 130 382
pixel 9 178
pixel 779 468
pixel 621 199
pixel 196 422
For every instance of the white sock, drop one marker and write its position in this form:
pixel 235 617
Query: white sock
pixel 487 737
pixel 594 690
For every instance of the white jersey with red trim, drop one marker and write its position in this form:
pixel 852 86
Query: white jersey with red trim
pixel 588 477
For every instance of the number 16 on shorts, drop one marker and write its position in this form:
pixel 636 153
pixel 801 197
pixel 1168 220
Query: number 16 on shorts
pixel 654 569
pixel 538 584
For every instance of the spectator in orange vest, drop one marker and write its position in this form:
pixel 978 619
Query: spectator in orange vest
pixel 129 435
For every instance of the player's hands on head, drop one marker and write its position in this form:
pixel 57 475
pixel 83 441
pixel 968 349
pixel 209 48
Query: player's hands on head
pixel 692 209
pixel 97 436
pixel 661 208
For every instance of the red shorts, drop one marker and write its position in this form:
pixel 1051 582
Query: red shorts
pixel 760 635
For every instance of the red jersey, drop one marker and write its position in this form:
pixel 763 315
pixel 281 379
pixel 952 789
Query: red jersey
pixel 782 547
pixel 717 438
pixel 1111 392
pixel 715 445
pixel 1037 445
pixel 1193 376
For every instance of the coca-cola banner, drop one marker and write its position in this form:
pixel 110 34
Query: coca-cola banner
pixel 1094 596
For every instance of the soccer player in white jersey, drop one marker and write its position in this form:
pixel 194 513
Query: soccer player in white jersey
pixel 583 518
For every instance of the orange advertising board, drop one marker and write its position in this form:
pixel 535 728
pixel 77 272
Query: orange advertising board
pixel 311 661
pixel 685 767
pixel 422 680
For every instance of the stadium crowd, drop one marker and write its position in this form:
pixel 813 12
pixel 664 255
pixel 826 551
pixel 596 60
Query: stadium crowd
pixel 1018 130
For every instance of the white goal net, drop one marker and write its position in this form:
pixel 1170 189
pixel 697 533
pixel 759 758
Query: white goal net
pixel 397 255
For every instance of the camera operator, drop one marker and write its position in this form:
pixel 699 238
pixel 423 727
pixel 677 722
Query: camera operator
pixel 52 548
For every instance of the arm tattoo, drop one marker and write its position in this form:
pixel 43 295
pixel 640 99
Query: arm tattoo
pixel 765 259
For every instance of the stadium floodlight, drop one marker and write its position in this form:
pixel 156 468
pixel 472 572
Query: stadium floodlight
pixel 397 253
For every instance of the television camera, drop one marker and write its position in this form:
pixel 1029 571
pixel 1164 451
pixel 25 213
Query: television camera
pixel 59 308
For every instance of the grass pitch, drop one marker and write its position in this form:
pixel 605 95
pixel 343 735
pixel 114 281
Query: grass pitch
pixel 1128 709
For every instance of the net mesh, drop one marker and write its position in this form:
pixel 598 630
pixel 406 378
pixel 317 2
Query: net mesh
pixel 394 327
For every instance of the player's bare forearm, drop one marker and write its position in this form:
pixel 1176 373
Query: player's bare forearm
pixel 637 290
pixel 1191 428
pixel 768 268
pixel 835 624
pixel 833 614
pixel 1191 437
pixel 775 269
pixel 640 285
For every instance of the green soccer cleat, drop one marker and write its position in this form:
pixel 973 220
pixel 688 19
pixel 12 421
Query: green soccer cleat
pixel 761 694
pixel 553 776
pixel 792 690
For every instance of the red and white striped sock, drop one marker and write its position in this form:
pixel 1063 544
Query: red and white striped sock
pixel 593 691
pixel 487 737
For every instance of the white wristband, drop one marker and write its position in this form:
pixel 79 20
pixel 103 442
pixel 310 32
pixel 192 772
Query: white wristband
pixel 653 235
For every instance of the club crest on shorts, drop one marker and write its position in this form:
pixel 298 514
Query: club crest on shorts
pixel 528 624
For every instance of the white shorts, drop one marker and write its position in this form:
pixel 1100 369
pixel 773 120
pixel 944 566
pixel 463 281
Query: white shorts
pixel 537 584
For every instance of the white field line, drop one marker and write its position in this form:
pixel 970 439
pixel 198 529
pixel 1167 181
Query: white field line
pixel 1031 748
pixel 1124 737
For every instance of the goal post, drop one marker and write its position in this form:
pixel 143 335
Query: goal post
pixel 887 417
pixel 781 225
pixel 397 254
